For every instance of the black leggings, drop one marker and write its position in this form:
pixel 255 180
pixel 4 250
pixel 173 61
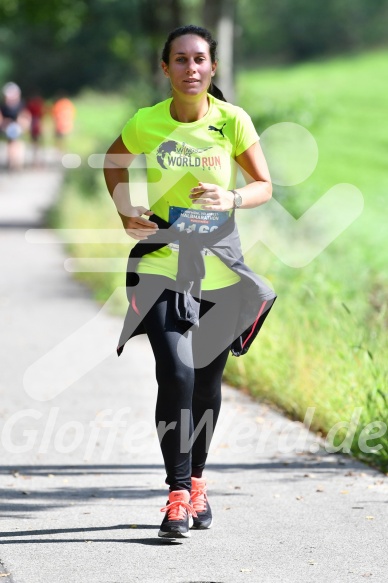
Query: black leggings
pixel 189 368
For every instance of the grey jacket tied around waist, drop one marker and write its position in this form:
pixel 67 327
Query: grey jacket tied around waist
pixel 256 297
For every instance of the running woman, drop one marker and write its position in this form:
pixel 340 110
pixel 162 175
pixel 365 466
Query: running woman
pixel 188 287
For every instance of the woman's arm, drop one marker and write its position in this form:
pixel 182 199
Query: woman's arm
pixel 116 163
pixel 257 191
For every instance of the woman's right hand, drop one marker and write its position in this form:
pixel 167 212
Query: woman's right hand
pixel 137 227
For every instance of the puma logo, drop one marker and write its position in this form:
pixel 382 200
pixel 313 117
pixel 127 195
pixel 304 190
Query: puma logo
pixel 214 129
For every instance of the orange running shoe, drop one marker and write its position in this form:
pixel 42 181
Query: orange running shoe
pixel 203 518
pixel 178 518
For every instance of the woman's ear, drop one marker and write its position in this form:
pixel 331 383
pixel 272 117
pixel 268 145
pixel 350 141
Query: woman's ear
pixel 214 68
pixel 165 69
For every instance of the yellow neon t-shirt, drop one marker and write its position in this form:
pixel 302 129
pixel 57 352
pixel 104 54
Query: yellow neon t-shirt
pixel 178 156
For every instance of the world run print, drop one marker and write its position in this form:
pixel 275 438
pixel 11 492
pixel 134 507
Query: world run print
pixel 172 154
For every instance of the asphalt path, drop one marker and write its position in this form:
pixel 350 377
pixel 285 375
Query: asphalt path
pixel 81 474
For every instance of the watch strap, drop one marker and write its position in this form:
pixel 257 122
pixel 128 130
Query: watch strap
pixel 235 194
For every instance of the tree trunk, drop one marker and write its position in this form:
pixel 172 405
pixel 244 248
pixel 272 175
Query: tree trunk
pixel 158 20
pixel 219 16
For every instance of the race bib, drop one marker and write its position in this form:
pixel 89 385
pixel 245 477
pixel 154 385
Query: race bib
pixel 195 220
pixel 198 220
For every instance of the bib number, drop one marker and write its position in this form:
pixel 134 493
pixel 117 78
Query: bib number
pixel 198 220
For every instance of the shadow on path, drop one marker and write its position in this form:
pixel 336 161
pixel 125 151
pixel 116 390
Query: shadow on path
pixel 312 461
pixel 16 540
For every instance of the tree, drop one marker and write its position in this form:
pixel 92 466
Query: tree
pixel 219 17
pixel 157 19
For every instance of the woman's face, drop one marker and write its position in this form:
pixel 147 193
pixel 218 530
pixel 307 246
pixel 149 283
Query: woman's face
pixel 190 68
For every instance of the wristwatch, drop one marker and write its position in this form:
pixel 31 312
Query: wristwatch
pixel 237 199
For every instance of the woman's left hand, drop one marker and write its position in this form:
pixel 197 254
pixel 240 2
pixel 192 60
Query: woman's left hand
pixel 212 197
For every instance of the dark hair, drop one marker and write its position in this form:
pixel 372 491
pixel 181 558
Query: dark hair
pixel 206 35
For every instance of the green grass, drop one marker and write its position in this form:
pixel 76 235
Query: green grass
pixel 324 344
pixel 85 202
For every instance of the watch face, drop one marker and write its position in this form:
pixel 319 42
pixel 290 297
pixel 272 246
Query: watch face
pixel 238 200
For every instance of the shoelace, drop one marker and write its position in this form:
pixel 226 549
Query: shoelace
pixel 176 510
pixel 198 498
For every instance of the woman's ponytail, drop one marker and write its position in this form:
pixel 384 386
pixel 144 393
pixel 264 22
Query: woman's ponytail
pixel 216 92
